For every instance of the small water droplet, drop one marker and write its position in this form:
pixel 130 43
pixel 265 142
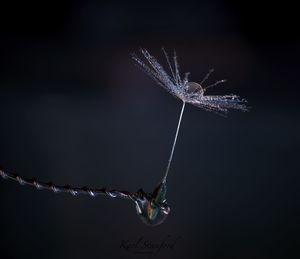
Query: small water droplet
pixel 3 174
pixel 112 194
pixel 20 180
pixel 37 185
pixel 54 189
pixel 73 192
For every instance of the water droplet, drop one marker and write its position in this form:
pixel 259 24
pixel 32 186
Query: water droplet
pixel 3 174
pixel 152 208
pixel 37 185
pixel 151 213
pixel 193 87
pixel 92 193
pixel 73 192
pixel 112 194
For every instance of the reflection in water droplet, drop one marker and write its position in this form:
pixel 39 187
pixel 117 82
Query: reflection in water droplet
pixel 152 208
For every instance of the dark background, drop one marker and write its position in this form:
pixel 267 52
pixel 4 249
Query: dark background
pixel 74 109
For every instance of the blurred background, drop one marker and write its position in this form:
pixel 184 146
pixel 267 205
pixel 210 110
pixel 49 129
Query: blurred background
pixel 75 110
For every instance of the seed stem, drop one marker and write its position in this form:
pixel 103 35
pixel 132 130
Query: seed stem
pixel 174 144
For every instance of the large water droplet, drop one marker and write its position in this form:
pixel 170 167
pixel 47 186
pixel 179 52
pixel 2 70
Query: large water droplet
pixel 152 208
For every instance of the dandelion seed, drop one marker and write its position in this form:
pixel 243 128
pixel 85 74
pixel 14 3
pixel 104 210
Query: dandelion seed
pixel 187 92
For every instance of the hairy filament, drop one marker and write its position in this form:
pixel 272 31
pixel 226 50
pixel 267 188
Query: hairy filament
pixel 66 188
